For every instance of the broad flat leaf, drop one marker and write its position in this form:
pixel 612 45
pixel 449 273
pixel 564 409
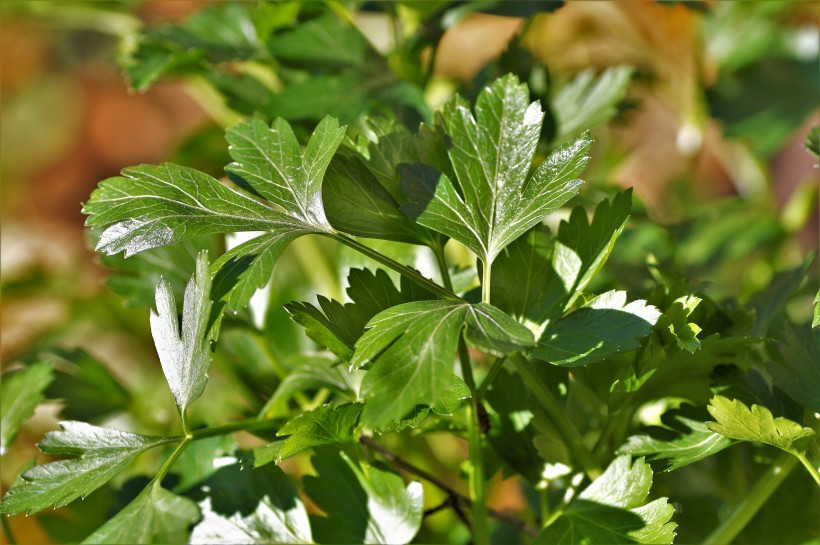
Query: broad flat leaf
pixel 250 506
pixel 797 370
pixel 589 100
pixel 419 342
pixel 682 442
pixel 184 353
pixel 84 385
pixel 327 425
pixel 491 152
pixel 150 206
pixel 101 453
pixel 155 516
pixel 20 393
pixel 362 503
pixel 606 325
pixel 592 240
pixel 338 326
pixel 770 301
pixel 736 421
pixel 613 510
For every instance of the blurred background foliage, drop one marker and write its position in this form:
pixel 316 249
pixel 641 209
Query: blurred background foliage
pixel 702 107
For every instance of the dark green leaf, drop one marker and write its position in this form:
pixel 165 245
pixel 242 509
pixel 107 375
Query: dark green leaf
pixel 613 510
pixel 324 42
pixel 419 342
pixel 736 421
pixel 101 454
pixel 589 100
pixel 362 503
pixel 184 353
pixel 86 386
pixel 20 393
pixel 250 506
pixel 682 442
pixel 604 326
pixel 496 200
pixel 797 370
pixel 327 425
pixel 155 516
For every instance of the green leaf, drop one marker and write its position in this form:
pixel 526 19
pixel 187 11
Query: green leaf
pixel 338 326
pixel 592 240
pixel 589 100
pixel 153 206
pixel 797 369
pixel 101 453
pixel 250 506
pixel 604 326
pixel 184 354
pixel 155 516
pixel 613 510
pixel 676 321
pixel 682 441
pixel 327 425
pixel 20 393
pixel 813 141
pixel 491 153
pixel 84 385
pixel 736 421
pixel 323 42
pixel 314 372
pixel 419 342
pixel 362 503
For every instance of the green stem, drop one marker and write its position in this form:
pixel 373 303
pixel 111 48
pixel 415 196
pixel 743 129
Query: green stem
pixel 163 471
pixel 250 425
pixel 748 507
pixel 478 484
pixel 407 272
pixel 186 429
pixel 809 466
pixel 570 434
pixel 441 261
pixel 485 282
pixel 7 530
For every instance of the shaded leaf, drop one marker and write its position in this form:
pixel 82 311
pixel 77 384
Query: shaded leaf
pixel 682 442
pixel 362 503
pixel 20 393
pixel 736 421
pixel 101 453
pixel 314 372
pixel 155 516
pixel 613 510
pixel 250 506
pixel 797 369
pixel 604 326
pixel 184 352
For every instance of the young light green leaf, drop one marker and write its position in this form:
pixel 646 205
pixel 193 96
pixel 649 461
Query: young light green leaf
pixel 588 101
pixel 613 510
pixel 419 342
pixel 155 516
pixel 376 506
pixel 736 421
pixel 184 354
pixel 101 454
pixel 327 425
pixel 682 442
pixel 491 153
pixel 250 506
pixel 604 326
pixel 676 321
pixel 20 393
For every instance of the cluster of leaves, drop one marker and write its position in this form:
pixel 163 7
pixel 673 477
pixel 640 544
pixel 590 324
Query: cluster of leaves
pixel 545 365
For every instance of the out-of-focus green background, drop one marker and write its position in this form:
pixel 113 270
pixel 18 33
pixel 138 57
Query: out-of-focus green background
pixel 724 97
